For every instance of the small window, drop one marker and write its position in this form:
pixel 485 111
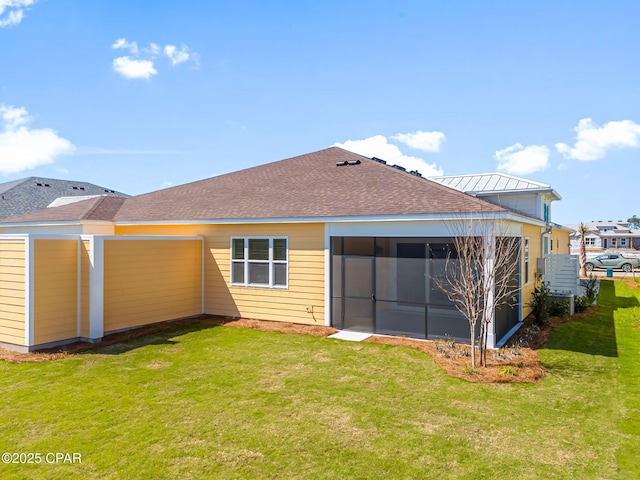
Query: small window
pixel 260 262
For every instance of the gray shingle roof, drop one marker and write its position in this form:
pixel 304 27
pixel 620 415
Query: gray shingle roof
pixel 31 194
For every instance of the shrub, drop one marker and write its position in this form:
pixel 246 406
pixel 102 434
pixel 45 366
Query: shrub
pixel 591 291
pixel 559 307
pixel 471 371
pixel 581 304
pixel 540 303
pixel 508 371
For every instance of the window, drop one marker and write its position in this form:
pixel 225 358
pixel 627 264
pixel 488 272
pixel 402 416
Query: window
pixel 623 242
pixel 546 213
pixel 589 242
pixel 526 260
pixel 259 261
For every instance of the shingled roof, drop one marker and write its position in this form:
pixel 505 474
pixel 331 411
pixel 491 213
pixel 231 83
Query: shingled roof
pixel 328 183
pixel 101 208
pixel 20 197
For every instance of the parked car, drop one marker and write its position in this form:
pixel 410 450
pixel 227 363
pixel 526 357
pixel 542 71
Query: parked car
pixel 613 260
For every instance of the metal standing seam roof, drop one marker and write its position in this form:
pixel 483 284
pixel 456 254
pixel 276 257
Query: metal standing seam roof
pixel 490 182
pixel 306 186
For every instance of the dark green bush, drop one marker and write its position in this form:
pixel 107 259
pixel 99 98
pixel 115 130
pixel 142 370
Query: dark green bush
pixel 559 307
pixel 581 304
pixel 540 303
pixel 591 292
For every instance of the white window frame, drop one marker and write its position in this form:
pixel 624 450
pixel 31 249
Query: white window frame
pixel 589 242
pixel 271 262
pixel 623 242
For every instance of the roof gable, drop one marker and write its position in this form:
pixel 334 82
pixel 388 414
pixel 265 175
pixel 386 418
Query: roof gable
pixel 310 185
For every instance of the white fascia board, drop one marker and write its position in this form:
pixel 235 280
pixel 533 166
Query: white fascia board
pixel 70 223
pixel 350 219
pixel 14 236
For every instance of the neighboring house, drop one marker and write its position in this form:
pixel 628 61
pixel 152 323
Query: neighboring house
pixel 604 235
pixel 27 195
pixel 520 194
pixel 330 238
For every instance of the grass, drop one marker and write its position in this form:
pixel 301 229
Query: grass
pixel 221 402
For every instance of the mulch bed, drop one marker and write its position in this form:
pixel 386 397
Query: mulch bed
pixel 516 362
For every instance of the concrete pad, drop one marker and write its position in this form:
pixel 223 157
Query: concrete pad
pixel 350 336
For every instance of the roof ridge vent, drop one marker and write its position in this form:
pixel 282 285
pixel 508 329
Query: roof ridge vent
pixel 416 173
pixel 399 167
pixel 379 160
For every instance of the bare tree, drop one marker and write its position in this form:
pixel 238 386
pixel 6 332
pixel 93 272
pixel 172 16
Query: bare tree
pixel 582 230
pixel 478 274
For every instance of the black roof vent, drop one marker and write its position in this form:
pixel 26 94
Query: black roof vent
pixel 344 163
pixel 416 173
pixel 379 160
pixel 399 167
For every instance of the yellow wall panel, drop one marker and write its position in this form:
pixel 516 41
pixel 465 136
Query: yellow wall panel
pixel 148 281
pixel 535 251
pixel 301 302
pixel 55 290
pixel 12 291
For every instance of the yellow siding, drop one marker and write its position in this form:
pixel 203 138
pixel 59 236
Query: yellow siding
pixel 184 230
pixel 301 302
pixel 12 294
pixel 535 252
pixel 55 290
pixel 561 242
pixel 148 281
pixel 85 287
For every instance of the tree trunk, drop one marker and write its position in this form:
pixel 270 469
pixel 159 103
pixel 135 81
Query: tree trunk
pixel 583 252
pixel 473 345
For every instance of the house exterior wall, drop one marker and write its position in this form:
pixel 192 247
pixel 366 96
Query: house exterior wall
pixel 149 281
pixel 12 291
pixel 561 242
pixel 535 251
pixel 55 290
pixel 303 299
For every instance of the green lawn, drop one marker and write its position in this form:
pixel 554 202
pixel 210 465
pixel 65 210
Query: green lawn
pixel 222 402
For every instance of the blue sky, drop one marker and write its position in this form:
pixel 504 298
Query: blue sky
pixel 137 96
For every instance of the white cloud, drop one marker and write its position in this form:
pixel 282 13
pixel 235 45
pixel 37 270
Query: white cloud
pixel 176 56
pixel 131 68
pixel 425 141
pixel 141 61
pixel 22 148
pixel 378 146
pixel 520 160
pixel 593 142
pixel 14 10
pixel 122 43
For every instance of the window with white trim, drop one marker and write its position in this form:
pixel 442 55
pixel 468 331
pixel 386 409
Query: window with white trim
pixel 589 242
pixel 623 242
pixel 259 262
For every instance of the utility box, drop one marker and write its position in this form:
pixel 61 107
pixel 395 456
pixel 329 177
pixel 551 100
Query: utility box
pixel 541 266
pixel 569 298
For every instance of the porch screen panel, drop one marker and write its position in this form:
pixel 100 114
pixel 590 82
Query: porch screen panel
pixel 401 286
